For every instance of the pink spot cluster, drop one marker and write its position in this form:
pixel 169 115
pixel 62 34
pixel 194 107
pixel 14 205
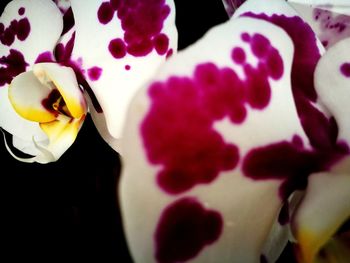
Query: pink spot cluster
pixel 142 22
pixel 14 63
pixel 19 29
pixel 333 27
pixel 184 229
pixel 178 130
pixel 11 65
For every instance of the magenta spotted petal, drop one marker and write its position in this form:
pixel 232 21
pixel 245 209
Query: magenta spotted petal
pixel 131 39
pixel 190 130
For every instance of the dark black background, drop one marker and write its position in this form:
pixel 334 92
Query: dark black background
pixel 68 210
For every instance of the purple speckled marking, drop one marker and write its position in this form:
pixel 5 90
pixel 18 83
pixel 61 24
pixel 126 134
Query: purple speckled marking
pixel 319 129
pixel 50 102
pixel 94 73
pixel 11 65
pixel 183 139
pixel 127 67
pixel 142 22
pixel 333 27
pixel 46 56
pixel 345 69
pixel 292 164
pixel 21 11
pixel 184 229
pixel 238 55
pixel 68 20
pixel 17 28
pixel 117 48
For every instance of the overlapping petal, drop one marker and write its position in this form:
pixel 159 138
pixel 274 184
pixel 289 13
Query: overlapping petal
pixel 120 45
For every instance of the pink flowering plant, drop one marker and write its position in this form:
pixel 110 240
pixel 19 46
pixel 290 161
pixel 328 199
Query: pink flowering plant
pixel 231 149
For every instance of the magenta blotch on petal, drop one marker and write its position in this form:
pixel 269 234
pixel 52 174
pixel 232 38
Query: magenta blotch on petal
pixel 345 69
pixel 184 229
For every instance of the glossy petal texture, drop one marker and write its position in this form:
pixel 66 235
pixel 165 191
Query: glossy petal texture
pixel 131 39
pixel 188 135
pixel 325 207
pixel 329 26
pixel 55 101
pixel 29 28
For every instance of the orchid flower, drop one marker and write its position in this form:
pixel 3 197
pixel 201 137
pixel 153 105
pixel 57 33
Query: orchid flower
pixel 94 54
pixel 240 143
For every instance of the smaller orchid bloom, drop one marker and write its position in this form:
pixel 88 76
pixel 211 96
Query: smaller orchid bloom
pixel 53 100
pixel 131 40
pixel 41 105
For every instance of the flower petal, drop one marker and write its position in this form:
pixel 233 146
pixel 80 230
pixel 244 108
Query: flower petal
pixel 61 133
pixel 325 207
pixel 131 40
pixel 27 94
pixel 189 140
pixel 332 80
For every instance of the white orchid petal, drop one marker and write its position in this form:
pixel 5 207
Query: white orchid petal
pixel 115 67
pixel 27 95
pixel 14 123
pixel 332 81
pixel 325 207
pixel 100 124
pixel 61 133
pixel 27 146
pixel 64 79
pixel 176 132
